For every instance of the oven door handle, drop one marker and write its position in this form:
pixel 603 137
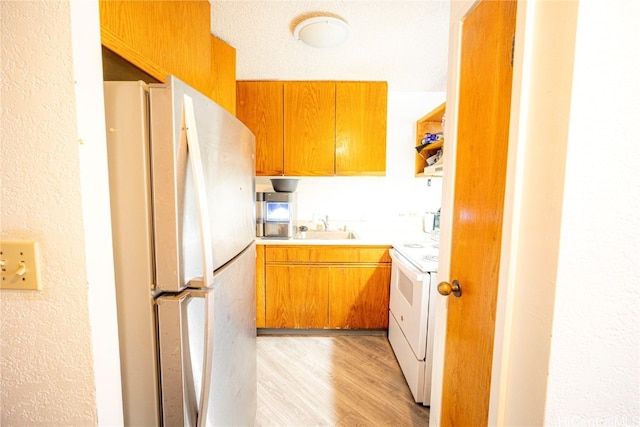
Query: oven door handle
pixel 405 266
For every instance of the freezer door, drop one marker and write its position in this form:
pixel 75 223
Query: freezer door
pixel 207 349
pixel 227 162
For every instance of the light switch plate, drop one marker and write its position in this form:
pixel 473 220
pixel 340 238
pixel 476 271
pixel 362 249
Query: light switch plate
pixel 19 265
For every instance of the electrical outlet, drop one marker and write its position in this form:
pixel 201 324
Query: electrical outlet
pixel 19 265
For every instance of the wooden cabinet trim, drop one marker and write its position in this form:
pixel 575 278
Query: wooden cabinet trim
pixel 115 44
pixel 327 254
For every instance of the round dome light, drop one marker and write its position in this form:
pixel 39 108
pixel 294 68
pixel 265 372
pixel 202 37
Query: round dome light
pixel 322 31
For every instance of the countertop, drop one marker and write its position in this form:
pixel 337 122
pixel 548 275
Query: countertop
pixel 368 238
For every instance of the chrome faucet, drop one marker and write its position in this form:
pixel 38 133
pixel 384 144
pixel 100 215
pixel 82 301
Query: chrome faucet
pixel 325 221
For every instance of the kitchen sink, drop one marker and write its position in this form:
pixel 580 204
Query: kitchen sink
pixel 325 235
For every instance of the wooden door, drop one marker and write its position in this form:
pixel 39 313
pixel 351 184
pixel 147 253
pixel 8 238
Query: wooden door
pixel 481 155
pixel 309 128
pixel 361 128
pixel 359 296
pixel 297 296
pixel 260 107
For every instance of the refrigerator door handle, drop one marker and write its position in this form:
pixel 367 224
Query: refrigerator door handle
pixel 207 357
pixel 193 147
pixel 178 390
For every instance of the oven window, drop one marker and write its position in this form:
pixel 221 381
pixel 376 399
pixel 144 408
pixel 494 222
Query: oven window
pixel 405 286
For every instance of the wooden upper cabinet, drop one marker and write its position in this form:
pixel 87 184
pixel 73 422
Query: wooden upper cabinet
pixel 309 128
pixel 171 37
pixel 361 128
pixel 223 69
pixel 316 128
pixel 260 107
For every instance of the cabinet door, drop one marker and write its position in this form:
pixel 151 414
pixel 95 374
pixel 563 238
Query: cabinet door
pixel 359 297
pixel 260 107
pixel 152 35
pixel 223 63
pixel 361 128
pixel 297 296
pixel 309 128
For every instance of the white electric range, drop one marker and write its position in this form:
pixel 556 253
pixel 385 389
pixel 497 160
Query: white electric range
pixel 411 322
pixel 423 254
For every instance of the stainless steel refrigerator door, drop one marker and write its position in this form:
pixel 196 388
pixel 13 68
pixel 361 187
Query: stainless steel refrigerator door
pixel 126 118
pixel 185 350
pixel 214 387
pixel 233 398
pixel 227 150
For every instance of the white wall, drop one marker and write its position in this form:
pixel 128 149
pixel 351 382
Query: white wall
pixel 395 201
pixel 54 191
pixel 594 368
pixel 567 348
pixel 46 355
pixel 94 178
pixel 567 339
pixel 543 72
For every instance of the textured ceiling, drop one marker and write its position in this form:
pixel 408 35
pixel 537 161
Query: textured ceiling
pixel 402 42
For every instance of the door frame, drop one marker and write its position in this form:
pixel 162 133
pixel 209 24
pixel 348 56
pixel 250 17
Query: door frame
pixel 525 193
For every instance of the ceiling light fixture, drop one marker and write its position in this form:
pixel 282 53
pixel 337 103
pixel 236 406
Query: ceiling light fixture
pixel 322 31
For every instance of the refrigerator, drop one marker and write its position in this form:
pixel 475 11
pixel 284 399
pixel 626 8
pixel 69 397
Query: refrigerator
pixel 182 188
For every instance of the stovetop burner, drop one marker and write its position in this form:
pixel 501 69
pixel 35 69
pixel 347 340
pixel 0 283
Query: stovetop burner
pixel 413 245
pixel 423 255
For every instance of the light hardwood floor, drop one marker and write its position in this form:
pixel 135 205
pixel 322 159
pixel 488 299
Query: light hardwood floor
pixel 341 380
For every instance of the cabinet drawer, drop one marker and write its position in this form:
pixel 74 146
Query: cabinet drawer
pixel 328 254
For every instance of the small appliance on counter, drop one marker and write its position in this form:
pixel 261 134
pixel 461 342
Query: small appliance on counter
pixel 260 214
pixel 277 215
pixel 431 224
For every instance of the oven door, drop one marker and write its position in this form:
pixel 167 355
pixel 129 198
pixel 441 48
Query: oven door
pixel 409 302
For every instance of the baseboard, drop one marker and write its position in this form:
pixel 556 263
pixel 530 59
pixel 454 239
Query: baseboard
pixel 320 332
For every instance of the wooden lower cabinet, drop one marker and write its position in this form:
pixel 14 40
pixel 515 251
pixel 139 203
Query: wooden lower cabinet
pixel 359 297
pixel 297 296
pixel 260 286
pixel 320 287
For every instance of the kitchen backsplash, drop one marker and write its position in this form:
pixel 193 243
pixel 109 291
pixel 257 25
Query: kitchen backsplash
pixel 396 201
